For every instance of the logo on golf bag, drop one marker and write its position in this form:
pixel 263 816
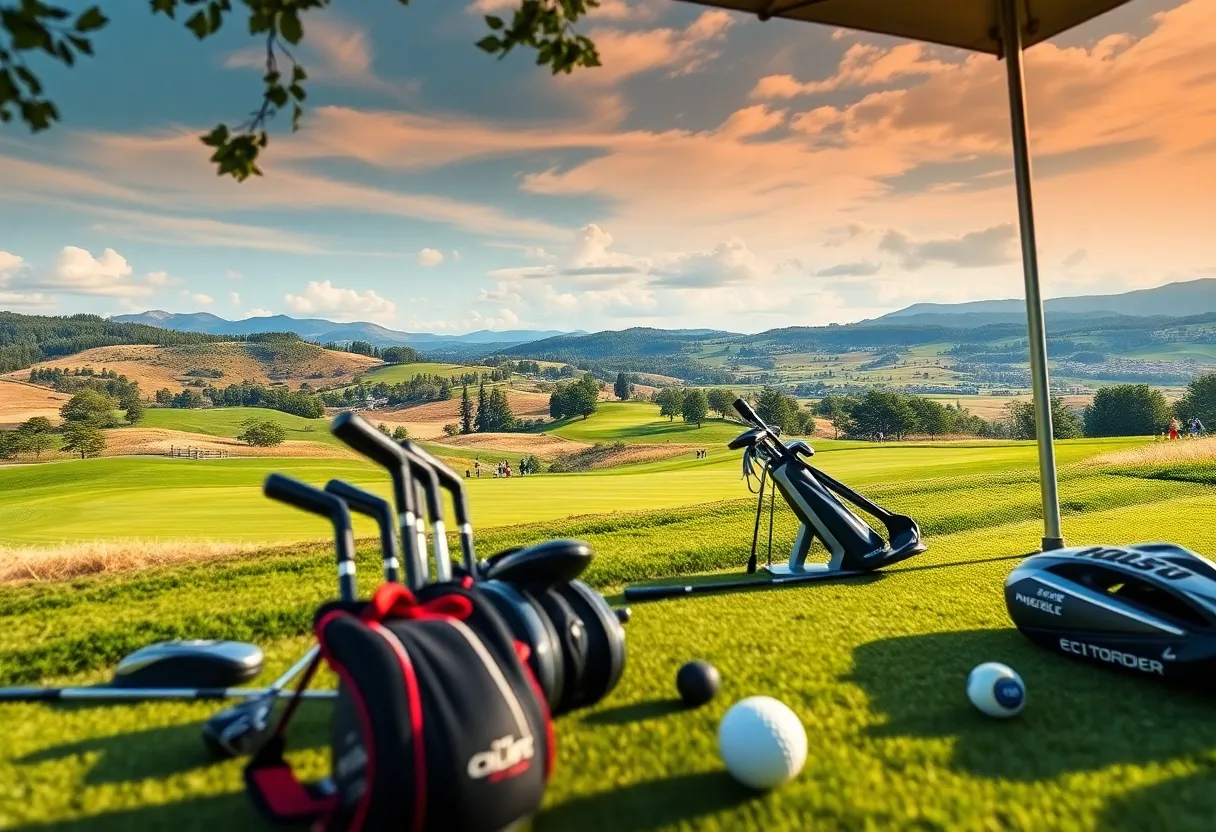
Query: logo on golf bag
pixel 507 757
pixel 1143 562
pixel 1048 602
pixel 1092 651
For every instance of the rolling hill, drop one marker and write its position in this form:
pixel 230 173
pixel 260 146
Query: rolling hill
pixel 319 329
pixel 156 367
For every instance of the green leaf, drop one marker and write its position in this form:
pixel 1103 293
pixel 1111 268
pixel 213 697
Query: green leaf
pixel 90 20
pixel 290 27
pixel 215 17
pixel 199 25
pixel 217 137
pixel 296 114
pixel 82 44
pixel 490 44
pixel 494 23
pixel 277 96
pixel 298 74
pixel 31 82
pixel 297 92
pixel 165 7
pixel 65 54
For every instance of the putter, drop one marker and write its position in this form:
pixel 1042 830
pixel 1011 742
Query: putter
pixel 243 727
pixel 379 509
pixel 365 439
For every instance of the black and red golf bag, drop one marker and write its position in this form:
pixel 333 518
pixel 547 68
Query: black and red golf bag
pixel 439 723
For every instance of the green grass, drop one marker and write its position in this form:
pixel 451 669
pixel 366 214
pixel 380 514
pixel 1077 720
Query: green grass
pixel 227 421
pixel 640 423
pixel 875 669
pixel 397 373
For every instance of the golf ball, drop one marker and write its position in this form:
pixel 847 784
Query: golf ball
pixel 996 690
pixel 762 742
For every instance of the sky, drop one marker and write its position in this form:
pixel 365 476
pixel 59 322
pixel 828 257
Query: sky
pixel 716 171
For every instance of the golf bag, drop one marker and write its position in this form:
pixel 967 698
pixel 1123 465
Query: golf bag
pixel 439 722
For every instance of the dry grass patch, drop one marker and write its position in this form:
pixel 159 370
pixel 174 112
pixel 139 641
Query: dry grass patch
pixel 74 560
pixel 1154 453
pixel 545 447
pixel 158 441
pixel 20 401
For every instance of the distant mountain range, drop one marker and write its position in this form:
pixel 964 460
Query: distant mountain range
pixel 319 329
pixel 1174 300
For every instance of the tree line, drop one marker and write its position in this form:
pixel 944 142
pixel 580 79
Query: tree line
pixel 246 394
pixel 85 417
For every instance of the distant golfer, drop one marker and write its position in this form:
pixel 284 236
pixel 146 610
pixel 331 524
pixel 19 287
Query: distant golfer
pixel 1173 428
pixel 477 466
pixel 1196 428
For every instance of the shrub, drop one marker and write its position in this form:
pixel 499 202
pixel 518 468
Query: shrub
pixel 262 433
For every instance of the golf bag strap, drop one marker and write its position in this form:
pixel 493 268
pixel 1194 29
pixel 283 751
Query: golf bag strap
pixel 270 780
pixel 393 600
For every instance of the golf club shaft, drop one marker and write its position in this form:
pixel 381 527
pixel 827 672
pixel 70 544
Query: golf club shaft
pixel 296 669
pixel 107 694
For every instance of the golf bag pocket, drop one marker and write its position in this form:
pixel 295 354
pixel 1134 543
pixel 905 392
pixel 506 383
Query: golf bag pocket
pixel 438 724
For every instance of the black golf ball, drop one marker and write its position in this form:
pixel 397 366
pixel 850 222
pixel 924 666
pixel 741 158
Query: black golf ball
pixel 697 683
pixel 623 614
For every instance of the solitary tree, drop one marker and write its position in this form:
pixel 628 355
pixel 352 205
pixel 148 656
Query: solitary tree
pixel 400 433
pixel 37 26
pixel 622 389
pixel 670 401
pixel 83 438
pixel 586 396
pixel 133 410
pixel 262 433
pixel 695 406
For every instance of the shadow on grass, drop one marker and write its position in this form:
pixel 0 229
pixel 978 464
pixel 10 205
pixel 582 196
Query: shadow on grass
pixel 162 752
pixel 1078 717
pixel 637 712
pixel 229 811
pixel 732 582
pixel 1181 804
pixel 649 805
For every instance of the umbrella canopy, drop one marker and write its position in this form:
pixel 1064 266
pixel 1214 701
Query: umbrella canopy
pixel 967 24
pixel 997 27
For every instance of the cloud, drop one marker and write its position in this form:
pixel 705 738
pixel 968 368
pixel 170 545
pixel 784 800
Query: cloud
pixel 863 65
pixel 626 53
pixel 255 312
pixel 162 279
pixel 862 268
pixel 234 298
pixel 198 299
pixel 429 257
pixel 231 275
pixel 77 272
pixel 323 298
pixel 455 256
pixel 726 264
pixel 973 250
pixel 10 265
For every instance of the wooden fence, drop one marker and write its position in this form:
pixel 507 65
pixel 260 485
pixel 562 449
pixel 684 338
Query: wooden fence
pixel 195 453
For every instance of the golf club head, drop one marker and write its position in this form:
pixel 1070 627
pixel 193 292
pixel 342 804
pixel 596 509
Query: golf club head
pixel 304 496
pixel 195 663
pixel 381 511
pixel 238 730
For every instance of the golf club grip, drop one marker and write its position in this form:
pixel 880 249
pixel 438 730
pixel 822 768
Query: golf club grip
pixel 382 512
pixel 365 439
pixel 304 496
pixel 655 593
pixel 745 410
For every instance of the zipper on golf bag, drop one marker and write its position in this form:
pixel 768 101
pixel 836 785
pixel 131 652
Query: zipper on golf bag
pixel 439 723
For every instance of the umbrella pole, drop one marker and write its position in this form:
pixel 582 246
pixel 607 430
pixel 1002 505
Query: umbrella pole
pixel 1011 41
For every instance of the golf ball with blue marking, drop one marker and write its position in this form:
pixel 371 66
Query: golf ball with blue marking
pixel 997 690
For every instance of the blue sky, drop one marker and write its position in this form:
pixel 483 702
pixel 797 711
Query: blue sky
pixel 716 171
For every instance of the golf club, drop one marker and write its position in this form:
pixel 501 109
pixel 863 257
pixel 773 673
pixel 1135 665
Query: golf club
pixel 314 500
pixel 452 483
pixel 241 728
pixel 365 439
pixel 379 509
pixel 105 693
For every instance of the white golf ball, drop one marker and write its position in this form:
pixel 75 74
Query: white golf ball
pixel 996 690
pixel 762 742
